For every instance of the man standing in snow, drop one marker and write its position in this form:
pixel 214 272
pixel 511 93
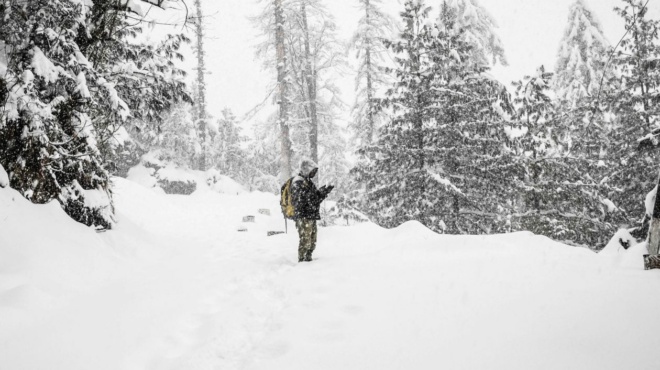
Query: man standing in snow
pixel 306 199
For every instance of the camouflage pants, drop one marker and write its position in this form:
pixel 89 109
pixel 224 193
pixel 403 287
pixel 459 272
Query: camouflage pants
pixel 307 234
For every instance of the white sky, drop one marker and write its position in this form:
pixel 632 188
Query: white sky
pixel 530 30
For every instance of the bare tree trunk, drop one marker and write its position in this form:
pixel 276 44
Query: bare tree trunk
pixel 283 94
pixel 310 77
pixel 201 85
pixel 370 92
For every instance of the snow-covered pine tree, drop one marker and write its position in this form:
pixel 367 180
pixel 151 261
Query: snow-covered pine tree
pixel 582 56
pixel 144 75
pixel 154 90
pixel 636 104
pixel 49 142
pixel 558 197
pixel 394 169
pixel 373 27
pixel 478 29
pixel 440 159
pixel 231 157
pixel 71 80
pixel 333 164
pixel 176 140
pixel 469 145
pixel 262 169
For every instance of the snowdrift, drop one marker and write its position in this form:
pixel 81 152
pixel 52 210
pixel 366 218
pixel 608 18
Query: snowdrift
pixel 176 286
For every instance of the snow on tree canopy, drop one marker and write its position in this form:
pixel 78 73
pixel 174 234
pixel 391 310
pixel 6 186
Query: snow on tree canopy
pixel 580 60
pixel 44 67
pixel 133 6
pixel 478 28
pixel 63 100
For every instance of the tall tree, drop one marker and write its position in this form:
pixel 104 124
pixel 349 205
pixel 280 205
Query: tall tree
pixel 231 159
pixel 582 56
pixel 282 86
pixel 317 56
pixel 305 91
pixel 71 80
pixel 636 106
pixel 558 197
pixel 310 80
pixel 373 27
pixel 478 29
pixel 200 91
pixel 439 160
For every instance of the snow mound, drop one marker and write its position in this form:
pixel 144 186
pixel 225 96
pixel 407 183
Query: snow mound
pixel 223 184
pixel 172 179
pixel 615 245
pixel 143 175
pixel 630 258
pixel 413 228
pixel 45 256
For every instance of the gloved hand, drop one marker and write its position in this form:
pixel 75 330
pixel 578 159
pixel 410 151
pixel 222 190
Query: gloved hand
pixel 326 189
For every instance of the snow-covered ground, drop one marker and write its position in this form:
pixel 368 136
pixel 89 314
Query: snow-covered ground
pixel 175 286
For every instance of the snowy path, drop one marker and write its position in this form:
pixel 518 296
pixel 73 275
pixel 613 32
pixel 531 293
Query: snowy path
pixel 176 287
pixel 410 299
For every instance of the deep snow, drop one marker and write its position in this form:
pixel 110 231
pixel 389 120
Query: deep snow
pixel 175 286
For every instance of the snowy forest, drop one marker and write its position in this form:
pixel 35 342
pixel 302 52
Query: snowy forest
pixel 568 152
pixel 329 184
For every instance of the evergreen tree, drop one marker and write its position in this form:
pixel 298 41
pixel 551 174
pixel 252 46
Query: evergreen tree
pixel 154 90
pixel 70 82
pixel 439 160
pixel 177 140
pixel 273 25
pixel 581 57
pixel 558 197
pixel 50 149
pixel 231 159
pixel 478 29
pixel 636 107
pixel 373 27
pixel 263 159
